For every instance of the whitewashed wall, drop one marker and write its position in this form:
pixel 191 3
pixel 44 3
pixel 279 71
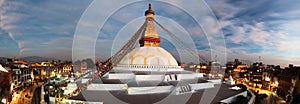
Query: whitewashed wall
pixel 121 76
pixel 149 90
pixel 200 86
pixel 107 87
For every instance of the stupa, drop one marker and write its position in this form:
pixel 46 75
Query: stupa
pixel 149 56
pixel 148 70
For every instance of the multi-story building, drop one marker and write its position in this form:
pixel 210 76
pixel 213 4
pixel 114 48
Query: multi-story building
pixel 216 70
pixel 21 77
pixel 238 70
pixel 67 68
pixel 38 72
pixel 20 63
pixel 46 64
pixel 256 74
pixel 287 80
pixel 199 68
pixel 80 68
pixel 5 84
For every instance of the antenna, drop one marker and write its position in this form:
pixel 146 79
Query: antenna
pixel 259 58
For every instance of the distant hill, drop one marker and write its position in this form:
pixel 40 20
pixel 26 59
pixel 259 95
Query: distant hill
pixel 36 59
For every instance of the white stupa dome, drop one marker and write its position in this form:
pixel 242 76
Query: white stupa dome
pixel 149 56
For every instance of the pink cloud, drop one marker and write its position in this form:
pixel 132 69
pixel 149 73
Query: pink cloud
pixel 291 45
pixel 238 35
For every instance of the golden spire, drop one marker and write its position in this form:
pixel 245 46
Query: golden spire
pixel 150 36
pixel 149 11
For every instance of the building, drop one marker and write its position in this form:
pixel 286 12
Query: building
pixel 46 64
pixel 83 67
pixel 216 70
pixel 20 63
pixel 35 65
pixel 5 84
pixel 67 68
pixel 287 81
pixel 21 77
pixel 80 67
pixel 38 72
pixel 256 75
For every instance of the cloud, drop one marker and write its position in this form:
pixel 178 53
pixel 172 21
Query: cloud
pixel 35 25
pixel 26 51
pixel 291 44
pixel 257 34
pixel 1 2
pixel 8 46
pixel 222 9
pixel 250 28
pixel 269 26
pixel 60 42
pixel 236 37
